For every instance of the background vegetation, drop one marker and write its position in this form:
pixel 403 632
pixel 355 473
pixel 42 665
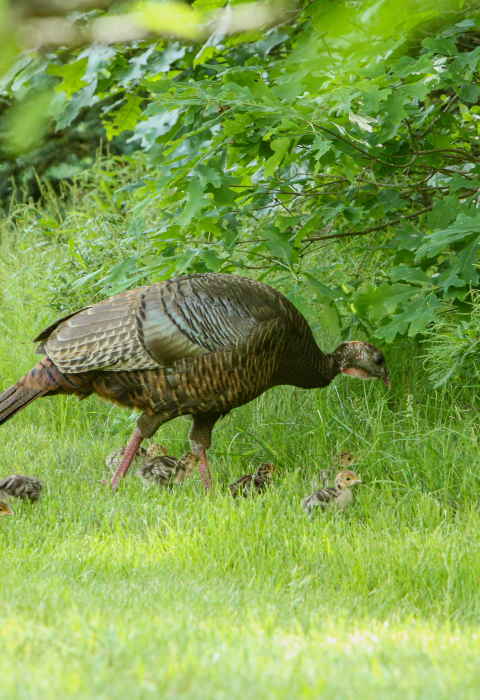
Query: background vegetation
pixel 347 125
pixel 334 154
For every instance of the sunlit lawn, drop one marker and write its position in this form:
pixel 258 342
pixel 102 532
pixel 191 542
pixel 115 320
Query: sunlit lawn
pixel 177 595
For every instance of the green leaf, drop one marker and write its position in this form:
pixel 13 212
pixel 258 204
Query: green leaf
pixel 125 118
pixel 409 274
pixel 441 215
pixel 438 241
pixel 73 76
pixel 390 200
pixel 419 89
pixel 463 270
pixel 458 182
pixel 372 95
pixel 469 93
pixel 320 146
pixel 330 318
pixel 278 243
pixel 320 288
pixel 409 238
pixel 279 147
pixel 301 303
pixel 417 314
pixel 375 302
pixel 439 45
pixel 195 201
pixel 394 107
pixel 122 275
pixel 212 260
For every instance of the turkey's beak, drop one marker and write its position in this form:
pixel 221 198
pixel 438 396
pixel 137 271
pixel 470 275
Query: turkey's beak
pixel 387 381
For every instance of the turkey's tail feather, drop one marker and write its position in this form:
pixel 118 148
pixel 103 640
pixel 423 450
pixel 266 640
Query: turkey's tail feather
pixel 44 378
pixel 15 398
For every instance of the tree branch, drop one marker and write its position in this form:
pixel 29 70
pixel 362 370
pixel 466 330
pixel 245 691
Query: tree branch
pixel 366 231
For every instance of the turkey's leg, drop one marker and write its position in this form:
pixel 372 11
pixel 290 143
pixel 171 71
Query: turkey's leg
pixel 203 466
pixel 128 455
pixel 200 437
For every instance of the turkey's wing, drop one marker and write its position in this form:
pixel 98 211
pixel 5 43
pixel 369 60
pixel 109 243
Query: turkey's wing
pixel 216 311
pixel 155 326
pixel 103 336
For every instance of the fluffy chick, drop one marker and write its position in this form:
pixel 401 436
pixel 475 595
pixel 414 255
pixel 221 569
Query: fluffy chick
pixel 338 496
pixel 16 487
pixel 113 460
pixel 342 460
pixel 4 509
pixel 167 470
pixel 253 483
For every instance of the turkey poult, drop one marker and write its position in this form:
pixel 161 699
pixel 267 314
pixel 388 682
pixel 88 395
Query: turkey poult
pixel 168 471
pixel 114 458
pixel 20 487
pixel 199 344
pixel 253 483
pixel 4 509
pixel 338 496
pixel 341 460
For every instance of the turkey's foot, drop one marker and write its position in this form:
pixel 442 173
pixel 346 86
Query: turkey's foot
pixel 129 454
pixel 203 466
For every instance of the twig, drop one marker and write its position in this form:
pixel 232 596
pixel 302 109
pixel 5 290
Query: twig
pixel 372 229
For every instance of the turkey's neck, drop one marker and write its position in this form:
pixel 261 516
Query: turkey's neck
pixel 317 369
pixel 328 367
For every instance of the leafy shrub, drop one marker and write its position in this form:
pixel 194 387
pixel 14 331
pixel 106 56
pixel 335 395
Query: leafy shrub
pixel 353 126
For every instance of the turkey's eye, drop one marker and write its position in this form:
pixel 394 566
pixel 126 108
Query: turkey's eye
pixel 380 360
pixel 348 478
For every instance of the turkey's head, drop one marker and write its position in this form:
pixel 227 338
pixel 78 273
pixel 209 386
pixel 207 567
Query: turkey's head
pixel 265 470
pixel 362 360
pixel 343 459
pixel 347 479
pixel 4 509
pixel 188 462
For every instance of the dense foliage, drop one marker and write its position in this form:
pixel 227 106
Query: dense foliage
pixel 349 125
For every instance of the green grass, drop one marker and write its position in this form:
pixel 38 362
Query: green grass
pixel 150 594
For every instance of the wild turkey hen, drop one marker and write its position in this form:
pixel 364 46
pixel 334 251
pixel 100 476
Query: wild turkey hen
pixel 198 344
